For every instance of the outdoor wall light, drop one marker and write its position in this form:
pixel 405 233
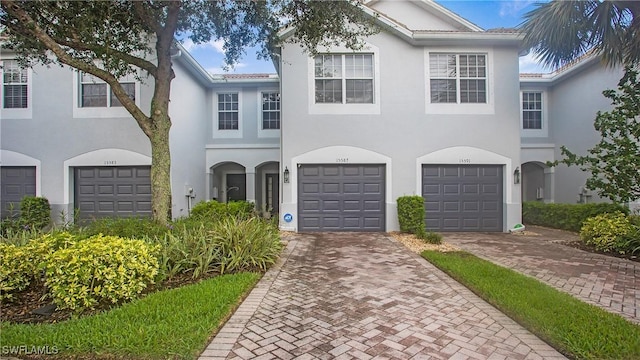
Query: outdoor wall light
pixel 286 175
pixel 516 176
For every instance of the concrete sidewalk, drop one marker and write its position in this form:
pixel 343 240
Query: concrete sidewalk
pixel 365 296
pixel 605 281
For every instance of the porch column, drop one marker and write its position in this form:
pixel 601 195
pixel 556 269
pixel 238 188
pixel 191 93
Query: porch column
pixel 549 185
pixel 251 186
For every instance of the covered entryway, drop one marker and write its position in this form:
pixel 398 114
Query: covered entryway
pixel 463 197
pixel 341 197
pixel 16 182
pixel 114 191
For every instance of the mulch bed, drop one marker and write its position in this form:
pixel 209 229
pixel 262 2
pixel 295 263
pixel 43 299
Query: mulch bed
pixel 582 246
pixel 21 308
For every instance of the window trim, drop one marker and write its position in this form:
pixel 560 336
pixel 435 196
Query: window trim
pixel 99 112
pixel 460 107
pixel 344 108
pixel 544 130
pixel 228 133
pixel 267 133
pixel 17 113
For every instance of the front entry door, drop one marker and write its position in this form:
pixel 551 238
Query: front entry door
pixel 236 187
pixel 273 193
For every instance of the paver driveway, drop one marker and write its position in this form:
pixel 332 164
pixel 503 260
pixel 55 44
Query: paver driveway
pixel 363 296
pixel 605 281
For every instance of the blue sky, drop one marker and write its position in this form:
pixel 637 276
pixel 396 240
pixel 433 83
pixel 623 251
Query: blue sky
pixel 485 13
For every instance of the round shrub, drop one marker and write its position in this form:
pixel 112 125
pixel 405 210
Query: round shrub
pixel 35 212
pixel 606 231
pixel 99 270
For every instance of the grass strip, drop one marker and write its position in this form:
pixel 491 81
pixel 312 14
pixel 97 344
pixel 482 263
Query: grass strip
pixel 175 324
pixel 575 328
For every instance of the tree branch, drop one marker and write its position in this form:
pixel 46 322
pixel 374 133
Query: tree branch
pixel 30 27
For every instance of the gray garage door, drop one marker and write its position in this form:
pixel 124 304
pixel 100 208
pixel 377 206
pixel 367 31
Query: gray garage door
pixel 16 182
pixel 341 197
pixel 463 197
pixel 120 191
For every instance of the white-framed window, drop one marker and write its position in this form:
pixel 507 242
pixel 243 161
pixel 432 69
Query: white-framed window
pixel 227 114
pixel 458 78
pixel 15 86
pixel 270 110
pixel 344 79
pixel 228 111
pixel 93 98
pixel 15 92
pixel 532 110
pixel 94 92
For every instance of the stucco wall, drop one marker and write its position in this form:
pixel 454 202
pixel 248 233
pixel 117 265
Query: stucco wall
pixel 406 127
pixel 573 105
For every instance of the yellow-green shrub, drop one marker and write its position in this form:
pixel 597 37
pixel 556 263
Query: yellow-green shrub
pixel 20 265
pixel 100 269
pixel 606 231
pixel 14 270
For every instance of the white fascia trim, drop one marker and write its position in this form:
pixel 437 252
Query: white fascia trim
pixel 451 15
pixel 553 77
pixel 487 108
pixel 101 157
pixel 12 158
pixel 468 155
pixel 227 134
pixel 537 146
pixel 242 146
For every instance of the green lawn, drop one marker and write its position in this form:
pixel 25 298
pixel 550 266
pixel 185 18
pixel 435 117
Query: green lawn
pixel 176 323
pixel 576 329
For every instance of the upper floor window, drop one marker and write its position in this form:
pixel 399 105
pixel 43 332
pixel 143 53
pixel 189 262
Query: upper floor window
pixel 14 85
pixel 228 111
pixel 532 110
pixel 94 92
pixel 458 78
pixel 344 79
pixel 270 110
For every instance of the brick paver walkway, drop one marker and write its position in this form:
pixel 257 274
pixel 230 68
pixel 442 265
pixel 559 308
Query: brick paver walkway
pixel 364 296
pixel 609 282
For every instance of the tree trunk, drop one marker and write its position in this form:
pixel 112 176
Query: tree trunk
pixel 161 169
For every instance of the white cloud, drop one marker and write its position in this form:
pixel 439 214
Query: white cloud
pixel 514 7
pixel 217 45
pixel 529 64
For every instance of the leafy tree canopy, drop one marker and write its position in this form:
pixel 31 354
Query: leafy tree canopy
pixel 561 31
pixel 112 38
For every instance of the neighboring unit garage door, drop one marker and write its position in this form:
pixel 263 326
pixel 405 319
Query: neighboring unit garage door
pixel 463 197
pixel 341 198
pixel 120 191
pixel 16 182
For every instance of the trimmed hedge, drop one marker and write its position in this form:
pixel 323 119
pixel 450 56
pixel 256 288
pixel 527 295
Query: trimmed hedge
pixel 214 210
pixel 411 214
pixel 565 216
